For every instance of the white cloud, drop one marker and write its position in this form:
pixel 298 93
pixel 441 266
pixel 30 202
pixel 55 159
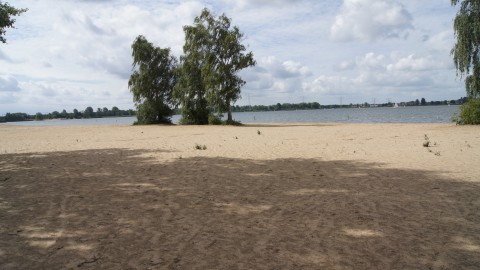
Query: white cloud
pixel 442 41
pixel 4 57
pixel 243 4
pixel 369 20
pixel 329 85
pixel 413 63
pixel 296 69
pixel 377 75
pixel 370 61
pixel 8 84
pixel 272 76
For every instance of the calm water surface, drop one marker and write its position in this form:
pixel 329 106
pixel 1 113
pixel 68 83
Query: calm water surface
pixel 427 114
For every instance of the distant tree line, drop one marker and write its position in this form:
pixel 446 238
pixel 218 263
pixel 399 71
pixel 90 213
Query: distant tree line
pixel 89 112
pixel 423 102
pixel 316 105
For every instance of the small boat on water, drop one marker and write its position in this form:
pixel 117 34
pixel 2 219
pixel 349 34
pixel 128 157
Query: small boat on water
pixel 395 105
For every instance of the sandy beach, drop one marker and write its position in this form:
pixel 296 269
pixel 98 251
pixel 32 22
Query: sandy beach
pixel 264 196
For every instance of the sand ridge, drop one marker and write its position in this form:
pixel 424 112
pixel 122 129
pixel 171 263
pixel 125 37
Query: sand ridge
pixel 295 196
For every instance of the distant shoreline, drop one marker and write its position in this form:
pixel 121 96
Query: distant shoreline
pixel 417 114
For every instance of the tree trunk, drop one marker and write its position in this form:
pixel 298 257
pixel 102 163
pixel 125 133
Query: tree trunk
pixel 229 111
pixel 229 115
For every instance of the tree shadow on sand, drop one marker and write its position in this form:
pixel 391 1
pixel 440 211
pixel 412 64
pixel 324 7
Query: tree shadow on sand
pixel 124 209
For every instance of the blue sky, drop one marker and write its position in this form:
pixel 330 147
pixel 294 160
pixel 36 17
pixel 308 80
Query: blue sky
pixel 68 54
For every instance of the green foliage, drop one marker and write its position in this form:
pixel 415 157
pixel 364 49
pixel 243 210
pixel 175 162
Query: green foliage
pixel 115 111
pixel 190 91
pixel 226 58
pixel 466 56
pixel 233 122
pixel 469 113
pixel 152 81
pixel 76 114
pixel 208 78
pixel 214 119
pixel 17 117
pixel 146 114
pixel 88 113
pixel 217 120
pixel 6 20
pixel 38 116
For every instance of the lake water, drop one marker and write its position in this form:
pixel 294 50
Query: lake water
pixel 419 114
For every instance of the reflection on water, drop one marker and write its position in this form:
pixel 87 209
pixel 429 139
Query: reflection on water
pixel 420 114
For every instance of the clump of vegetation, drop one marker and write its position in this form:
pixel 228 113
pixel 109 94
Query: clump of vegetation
pixel 200 147
pixel 217 120
pixel 214 119
pixel 469 113
pixel 426 143
pixel 258 132
pixel 233 123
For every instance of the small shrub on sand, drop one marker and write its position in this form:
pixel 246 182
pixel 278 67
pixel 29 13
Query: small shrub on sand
pixel 200 147
pixel 469 113
pixel 233 123
pixel 426 143
pixel 214 119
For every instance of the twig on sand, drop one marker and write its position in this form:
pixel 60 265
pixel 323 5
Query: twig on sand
pixel 92 260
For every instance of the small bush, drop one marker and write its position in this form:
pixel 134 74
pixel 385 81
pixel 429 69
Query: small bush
pixel 214 119
pixel 200 147
pixel 258 132
pixel 233 123
pixel 469 113
pixel 426 143
pixel 217 120
pixel 186 121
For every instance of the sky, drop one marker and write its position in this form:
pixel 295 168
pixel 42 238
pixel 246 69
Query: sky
pixel 71 54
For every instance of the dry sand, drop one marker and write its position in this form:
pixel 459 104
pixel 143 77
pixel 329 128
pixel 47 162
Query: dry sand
pixel 295 196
